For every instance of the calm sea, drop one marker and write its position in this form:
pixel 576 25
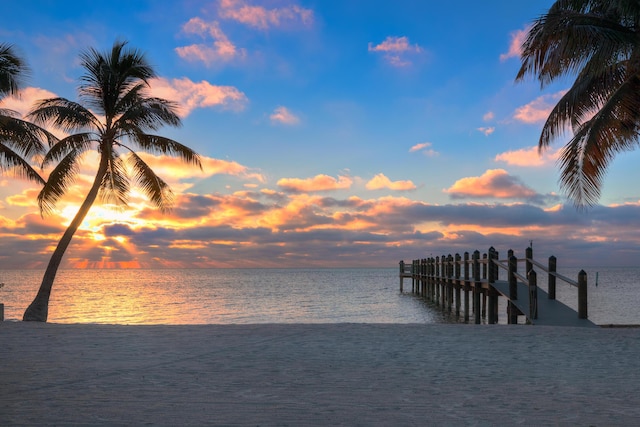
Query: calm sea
pixel 236 296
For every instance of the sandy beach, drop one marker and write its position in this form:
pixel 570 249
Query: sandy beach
pixel 316 375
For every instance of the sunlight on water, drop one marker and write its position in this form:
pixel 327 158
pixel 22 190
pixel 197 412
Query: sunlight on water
pixel 219 296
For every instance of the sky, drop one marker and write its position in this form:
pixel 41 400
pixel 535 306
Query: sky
pixel 332 133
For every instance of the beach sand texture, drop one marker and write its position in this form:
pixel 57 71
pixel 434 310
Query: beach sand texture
pixel 310 374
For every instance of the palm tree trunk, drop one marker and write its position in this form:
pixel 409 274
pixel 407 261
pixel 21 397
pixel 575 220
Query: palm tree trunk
pixel 38 310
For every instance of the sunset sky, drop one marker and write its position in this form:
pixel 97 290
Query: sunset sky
pixel 332 133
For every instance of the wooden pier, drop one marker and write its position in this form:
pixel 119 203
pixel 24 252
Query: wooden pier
pixel 473 284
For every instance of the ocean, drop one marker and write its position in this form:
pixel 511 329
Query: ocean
pixel 243 296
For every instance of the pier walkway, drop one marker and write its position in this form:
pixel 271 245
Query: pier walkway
pixel 443 280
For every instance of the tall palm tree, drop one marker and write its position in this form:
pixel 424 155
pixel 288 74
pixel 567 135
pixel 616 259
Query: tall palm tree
pixel 20 141
pixel 113 117
pixel 598 42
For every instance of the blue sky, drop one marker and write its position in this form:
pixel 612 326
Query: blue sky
pixel 333 133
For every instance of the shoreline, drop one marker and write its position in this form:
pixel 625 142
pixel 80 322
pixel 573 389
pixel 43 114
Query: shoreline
pixel 317 374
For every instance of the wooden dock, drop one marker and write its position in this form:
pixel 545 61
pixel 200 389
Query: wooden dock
pixel 465 285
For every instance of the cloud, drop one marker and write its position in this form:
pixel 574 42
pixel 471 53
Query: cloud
pixel 317 183
pixel 380 181
pixel 515 46
pixel 219 50
pixel 424 147
pixel 528 157
pixel 263 18
pixel 191 95
pixel 487 130
pixel 396 50
pixel 23 101
pixel 488 116
pixel 494 183
pixel 538 110
pixel 284 116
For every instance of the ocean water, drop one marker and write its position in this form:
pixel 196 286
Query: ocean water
pixel 242 296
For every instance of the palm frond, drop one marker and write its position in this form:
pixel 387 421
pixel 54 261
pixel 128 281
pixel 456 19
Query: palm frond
pixel 79 142
pixel 66 115
pixel 151 184
pixel 155 144
pixel 59 182
pixel 24 137
pixel 115 186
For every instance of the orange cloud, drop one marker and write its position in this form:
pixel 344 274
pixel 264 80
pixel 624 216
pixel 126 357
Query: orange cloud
pixel 380 181
pixel 538 110
pixel 221 49
pixel 262 18
pixel 191 95
pixel 396 50
pixel 494 183
pixel 528 157
pixel 317 183
pixel 515 46
pixel 285 116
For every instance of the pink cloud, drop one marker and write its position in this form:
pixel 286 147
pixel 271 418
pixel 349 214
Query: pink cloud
pixel 424 147
pixel 515 46
pixel 191 95
pixel 528 157
pixel 494 183
pixel 538 110
pixel 317 183
pixel 23 102
pixel 219 50
pixel 487 130
pixel 263 18
pixel 396 50
pixel 488 116
pixel 285 116
pixel 380 181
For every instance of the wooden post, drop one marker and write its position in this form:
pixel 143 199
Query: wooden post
pixel 476 287
pixel 467 287
pixel 582 295
pixel 552 277
pixel 443 289
pixel 513 291
pixel 449 282
pixel 533 295
pixel 458 284
pixel 1 312
pixel 401 274
pixel 437 281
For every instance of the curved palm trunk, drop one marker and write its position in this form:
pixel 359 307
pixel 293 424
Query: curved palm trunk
pixel 38 310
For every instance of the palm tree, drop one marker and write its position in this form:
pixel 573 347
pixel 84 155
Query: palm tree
pixel 598 42
pixel 115 117
pixel 20 141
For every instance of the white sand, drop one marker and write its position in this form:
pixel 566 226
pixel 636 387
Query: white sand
pixel 335 374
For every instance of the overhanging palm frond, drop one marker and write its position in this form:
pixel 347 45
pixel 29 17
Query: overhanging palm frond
pixel 149 114
pixel 12 70
pixel 10 160
pixel 79 142
pixel 25 137
pixel 151 184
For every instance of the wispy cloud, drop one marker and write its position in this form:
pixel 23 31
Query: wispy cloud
pixel 284 116
pixel 488 130
pixel 494 183
pixel 538 110
pixel 317 183
pixel 263 18
pixel 425 148
pixel 515 46
pixel 22 102
pixel 528 157
pixel 380 181
pixel 397 51
pixel 218 49
pixel 191 95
